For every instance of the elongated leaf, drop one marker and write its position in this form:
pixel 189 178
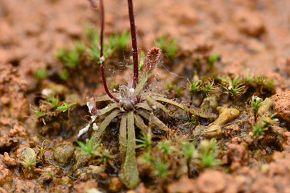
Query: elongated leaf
pixel 123 136
pixel 129 173
pixel 169 101
pixel 140 124
pixel 154 120
pixel 144 114
pixel 154 104
pixel 144 106
pixel 98 133
pixel 108 109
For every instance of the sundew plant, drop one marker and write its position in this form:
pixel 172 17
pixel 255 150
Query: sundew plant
pixel 132 105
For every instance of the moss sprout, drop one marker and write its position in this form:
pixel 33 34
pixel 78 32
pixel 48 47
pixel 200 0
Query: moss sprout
pixel 41 74
pixel 213 59
pixel 145 141
pixel 208 152
pixel 256 102
pixel 195 86
pixel 208 88
pixel 169 46
pixel 89 147
pixel 234 87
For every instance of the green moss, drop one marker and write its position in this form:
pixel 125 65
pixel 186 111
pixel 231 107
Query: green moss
pixel 71 58
pixel 145 141
pixel 39 114
pixel 188 150
pixel 208 88
pixel 256 102
pixel 234 87
pixel 88 148
pixel 165 147
pixel 64 107
pixel 208 152
pixel 53 101
pixel 168 46
pixel 195 86
pixel 212 59
pixel 41 74
pixel 119 41
pixel 64 75
pixel 160 169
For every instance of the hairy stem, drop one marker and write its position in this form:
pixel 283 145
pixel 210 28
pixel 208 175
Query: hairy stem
pixel 134 43
pixel 102 58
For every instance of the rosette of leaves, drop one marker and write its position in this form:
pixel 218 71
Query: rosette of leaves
pixel 132 106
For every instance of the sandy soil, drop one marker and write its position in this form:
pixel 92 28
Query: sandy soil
pixel 252 36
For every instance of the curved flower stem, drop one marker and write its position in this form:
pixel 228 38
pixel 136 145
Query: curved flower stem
pixel 102 58
pixel 134 43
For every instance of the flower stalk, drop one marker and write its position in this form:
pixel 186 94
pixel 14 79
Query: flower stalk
pixel 102 58
pixel 134 43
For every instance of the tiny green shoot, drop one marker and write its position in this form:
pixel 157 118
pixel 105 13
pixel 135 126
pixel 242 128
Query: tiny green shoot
pixel 188 150
pixel 212 59
pixel 64 107
pixel 145 141
pixel 165 147
pixel 71 58
pixel 208 151
pixel 208 88
pixel 53 101
pixel 38 113
pixel 256 102
pixel 161 169
pixel 119 42
pixel 88 148
pixel 64 75
pixel 259 130
pixel 169 46
pixel 41 74
pixel 195 86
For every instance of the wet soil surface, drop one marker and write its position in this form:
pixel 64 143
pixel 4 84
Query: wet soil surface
pixel 39 153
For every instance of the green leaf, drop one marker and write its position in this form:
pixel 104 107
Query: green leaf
pixel 119 42
pixel 53 101
pixel 129 173
pixel 169 46
pixel 165 147
pixel 171 102
pixel 155 121
pixel 161 169
pixel 39 114
pixel 41 74
pixel 64 75
pixel 144 106
pixel 123 136
pixel 213 59
pixel 99 132
pixel 155 104
pixel 108 109
pixel 89 148
pixel 140 124
pixel 64 107
pixel 188 150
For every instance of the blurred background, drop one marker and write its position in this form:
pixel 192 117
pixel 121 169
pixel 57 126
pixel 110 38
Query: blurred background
pixel 250 35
